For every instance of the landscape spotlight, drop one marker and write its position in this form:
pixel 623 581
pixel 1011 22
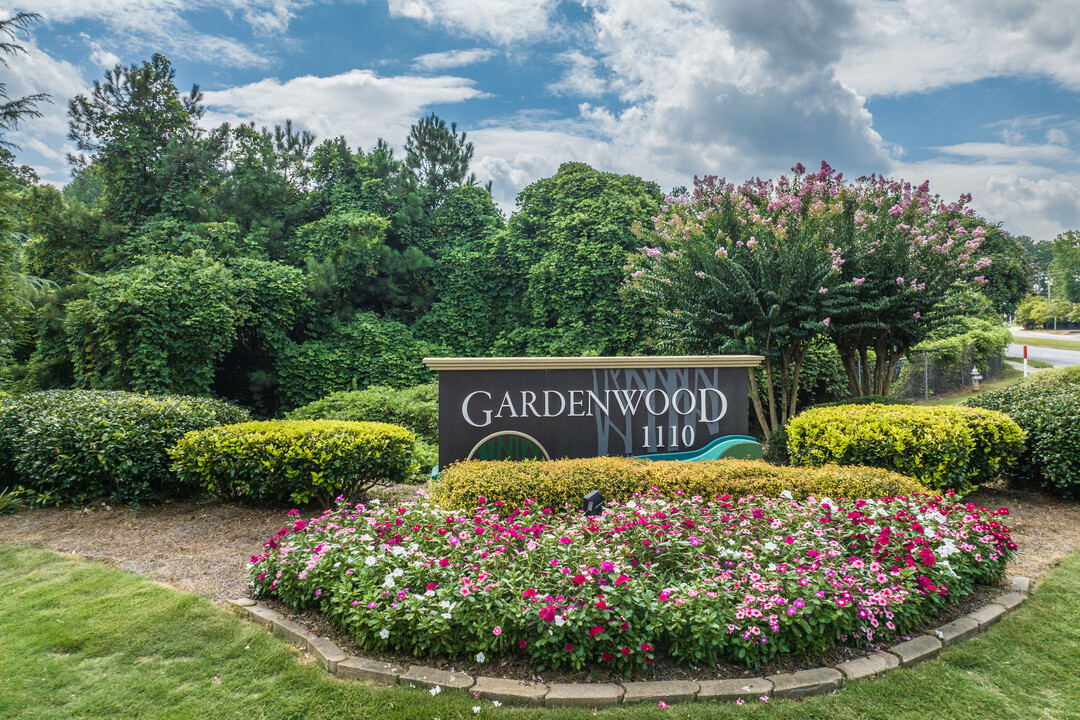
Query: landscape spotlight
pixel 594 503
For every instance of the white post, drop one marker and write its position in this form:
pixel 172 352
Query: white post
pixel 1025 361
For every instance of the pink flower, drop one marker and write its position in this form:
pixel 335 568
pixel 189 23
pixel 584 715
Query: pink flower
pixel 299 525
pixel 859 281
pixel 595 630
pixel 465 591
pixel 579 579
pixel 568 647
pixel 826 321
pixel 529 593
pixel 621 579
pixel 318 592
pixel 497 631
pixel 899 281
pixel 662 704
pixel 294 511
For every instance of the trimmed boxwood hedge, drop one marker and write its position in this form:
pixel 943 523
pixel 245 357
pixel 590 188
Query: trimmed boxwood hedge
pixel 1047 406
pixel 554 483
pixel 944 447
pixel 295 460
pixel 77 445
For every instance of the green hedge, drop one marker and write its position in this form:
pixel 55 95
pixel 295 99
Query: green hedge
pixel 946 448
pixel 295 460
pixel 77 445
pixel 416 408
pixel 553 483
pixel 1047 406
pixel 776 450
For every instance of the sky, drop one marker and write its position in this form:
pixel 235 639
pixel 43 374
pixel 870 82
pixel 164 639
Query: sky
pixel 977 96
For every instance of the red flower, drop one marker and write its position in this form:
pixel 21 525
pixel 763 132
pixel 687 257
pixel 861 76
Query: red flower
pixel 625 651
pixel 607 657
pixel 443 562
pixel 522 643
pixel 646 647
pixel 579 579
pixel 529 593
pixel 595 630
pixel 299 525
pixel 569 648
pixel 621 579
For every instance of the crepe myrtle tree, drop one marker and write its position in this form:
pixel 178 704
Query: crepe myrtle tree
pixel 767 267
pixel 746 269
pixel 904 250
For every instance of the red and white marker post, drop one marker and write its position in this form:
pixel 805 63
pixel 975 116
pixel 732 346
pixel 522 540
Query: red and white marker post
pixel 1025 361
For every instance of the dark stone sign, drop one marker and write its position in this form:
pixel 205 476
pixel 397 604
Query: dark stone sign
pixel 518 408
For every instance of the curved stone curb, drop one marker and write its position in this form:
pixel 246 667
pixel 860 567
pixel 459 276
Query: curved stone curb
pixel 816 681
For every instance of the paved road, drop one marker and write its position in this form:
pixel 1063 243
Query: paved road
pixel 1057 358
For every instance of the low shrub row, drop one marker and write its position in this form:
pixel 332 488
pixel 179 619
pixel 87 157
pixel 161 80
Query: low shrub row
pixel 700 582
pixel 943 447
pixel 415 408
pixel 1047 407
pixel 556 483
pixel 76 445
pixel 295 460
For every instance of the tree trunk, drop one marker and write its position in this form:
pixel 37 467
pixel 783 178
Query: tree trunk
pixel 755 396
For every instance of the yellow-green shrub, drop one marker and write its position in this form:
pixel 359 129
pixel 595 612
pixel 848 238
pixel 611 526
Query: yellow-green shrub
pixel 946 448
pixel 553 483
pixel 295 460
pixel 996 442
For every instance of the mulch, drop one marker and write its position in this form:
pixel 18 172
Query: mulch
pixel 204 547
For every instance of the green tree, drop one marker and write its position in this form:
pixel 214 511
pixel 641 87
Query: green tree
pixel 13 110
pixel 439 156
pixel 144 135
pixel 1064 268
pixel 564 255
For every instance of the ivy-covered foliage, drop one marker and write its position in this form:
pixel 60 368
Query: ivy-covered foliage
pixel 366 351
pixel 162 326
pixel 416 408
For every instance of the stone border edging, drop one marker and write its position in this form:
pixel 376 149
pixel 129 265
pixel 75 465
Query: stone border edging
pixel 816 681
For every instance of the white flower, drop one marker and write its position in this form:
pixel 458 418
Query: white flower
pixel 429 593
pixel 398 572
pixel 476 708
pixel 786 494
pixel 435 691
pixel 560 620
pixel 388 581
pixel 384 633
pixel 447 616
pixel 480 657
pixel 370 560
pixel 496 703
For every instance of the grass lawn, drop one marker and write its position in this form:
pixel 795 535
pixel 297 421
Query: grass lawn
pixel 1037 364
pixel 83 640
pixel 1008 376
pixel 1047 342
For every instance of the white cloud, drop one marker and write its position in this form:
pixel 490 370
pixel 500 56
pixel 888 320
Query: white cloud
pixel 358 104
pixel 501 21
pixel 919 45
pixel 452 59
pixel 581 78
pixel 160 25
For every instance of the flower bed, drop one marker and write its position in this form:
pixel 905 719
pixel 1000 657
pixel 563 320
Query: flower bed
pixel 733 579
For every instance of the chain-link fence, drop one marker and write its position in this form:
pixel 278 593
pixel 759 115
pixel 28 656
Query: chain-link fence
pixel 923 375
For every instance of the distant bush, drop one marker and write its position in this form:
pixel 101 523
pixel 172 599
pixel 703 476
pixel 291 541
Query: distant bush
pixel 416 408
pixel 554 483
pixel 76 445
pixel 946 448
pixel 295 460
pixel 1047 406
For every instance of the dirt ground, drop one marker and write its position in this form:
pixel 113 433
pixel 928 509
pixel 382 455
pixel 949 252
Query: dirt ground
pixel 204 547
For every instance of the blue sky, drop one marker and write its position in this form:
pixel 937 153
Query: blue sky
pixel 979 96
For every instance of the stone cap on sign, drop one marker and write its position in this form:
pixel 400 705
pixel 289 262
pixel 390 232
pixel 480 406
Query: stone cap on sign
pixel 588 363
